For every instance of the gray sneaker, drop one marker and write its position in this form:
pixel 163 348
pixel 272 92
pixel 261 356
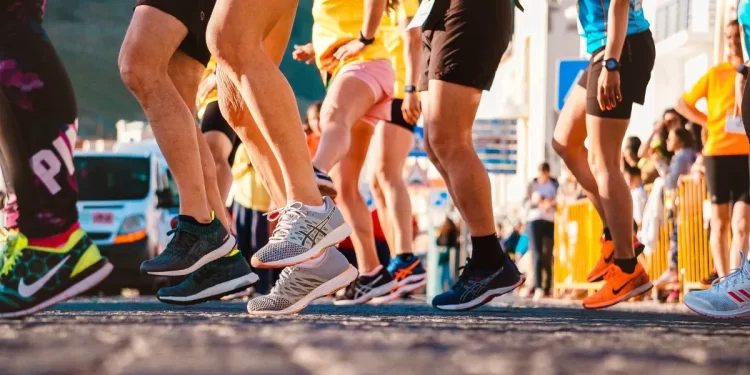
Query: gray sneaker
pixel 298 286
pixel 223 277
pixel 301 234
pixel 192 247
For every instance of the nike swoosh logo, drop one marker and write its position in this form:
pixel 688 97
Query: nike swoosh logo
pixel 617 291
pixel 609 259
pixel 27 291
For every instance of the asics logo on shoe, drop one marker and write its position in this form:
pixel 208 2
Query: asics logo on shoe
pixel 478 286
pixel 27 291
pixel 316 231
pixel 406 272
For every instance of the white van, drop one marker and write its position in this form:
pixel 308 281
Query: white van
pixel 126 203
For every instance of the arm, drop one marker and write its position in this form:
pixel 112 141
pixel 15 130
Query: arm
pixel 412 51
pixel 690 113
pixel 686 104
pixel 374 10
pixel 739 87
pixel 617 29
pixel 645 146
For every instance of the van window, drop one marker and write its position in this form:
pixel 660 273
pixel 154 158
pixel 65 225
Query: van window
pixel 102 178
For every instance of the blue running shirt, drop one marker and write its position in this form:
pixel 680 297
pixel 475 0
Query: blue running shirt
pixel 593 15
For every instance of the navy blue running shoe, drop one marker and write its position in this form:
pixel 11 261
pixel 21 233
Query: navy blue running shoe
pixel 476 287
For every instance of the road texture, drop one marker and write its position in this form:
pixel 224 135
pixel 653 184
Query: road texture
pixel 143 336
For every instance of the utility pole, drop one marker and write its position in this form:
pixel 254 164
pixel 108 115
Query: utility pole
pixel 719 21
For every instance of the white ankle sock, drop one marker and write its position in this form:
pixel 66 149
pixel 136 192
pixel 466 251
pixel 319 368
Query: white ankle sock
pixel 319 209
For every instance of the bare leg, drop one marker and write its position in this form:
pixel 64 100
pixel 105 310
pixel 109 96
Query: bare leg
pixel 237 45
pixel 606 140
pixel 144 66
pixel 382 207
pixel 221 148
pixel 392 146
pixel 346 178
pixel 740 230
pixel 568 142
pixel 720 224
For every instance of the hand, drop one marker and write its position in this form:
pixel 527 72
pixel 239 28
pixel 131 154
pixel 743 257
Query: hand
pixel 205 87
pixel 411 108
pixel 609 90
pixel 304 53
pixel 352 48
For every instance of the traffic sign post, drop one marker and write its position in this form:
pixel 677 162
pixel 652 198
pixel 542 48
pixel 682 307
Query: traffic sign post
pixel 418 150
pixel 568 74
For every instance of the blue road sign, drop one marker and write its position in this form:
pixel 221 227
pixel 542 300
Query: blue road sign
pixel 568 73
pixel 418 149
pixel 496 143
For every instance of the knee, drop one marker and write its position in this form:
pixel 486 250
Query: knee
pixel 348 189
pixel 333 118
pixel 136 72
pixel 720 223
pixel 446 147
pixel 739 228
pixel 224 45
pixel 563 150
pixel 388 178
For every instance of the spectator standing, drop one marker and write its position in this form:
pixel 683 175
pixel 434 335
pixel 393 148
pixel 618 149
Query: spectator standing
pixel 637 193
pixel 448 243
pixel 725 153
pixel 541 199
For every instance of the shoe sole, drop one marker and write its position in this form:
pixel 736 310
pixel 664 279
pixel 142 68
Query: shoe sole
pixel 401 291
pixel 635 292
pixel 229 245
pixel 72 291
pixel 334 237
pixel 215 292
pixel 374 293
pixel 329 287
pixel 743 313
pixel 483 299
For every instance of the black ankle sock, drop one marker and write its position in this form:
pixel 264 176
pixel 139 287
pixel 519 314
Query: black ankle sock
pixel 191 220
pixel 626 265
pixel 406 257
pixel 486 252
pixel 607 235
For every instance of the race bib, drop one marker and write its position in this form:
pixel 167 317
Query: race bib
pixel 422 13
pixel 734 125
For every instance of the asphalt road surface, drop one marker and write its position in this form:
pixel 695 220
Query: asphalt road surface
pixel 143 336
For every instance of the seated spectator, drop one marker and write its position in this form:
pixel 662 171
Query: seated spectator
pixel 637 192
pixel 630 152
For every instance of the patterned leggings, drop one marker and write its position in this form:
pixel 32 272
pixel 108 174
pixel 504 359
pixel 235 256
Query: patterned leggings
pixel 38 122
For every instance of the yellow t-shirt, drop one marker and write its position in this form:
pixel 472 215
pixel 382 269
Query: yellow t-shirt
pixel 394 41
pixel 249 191
pixel 717 87
pixel 336 22
pixel 212 95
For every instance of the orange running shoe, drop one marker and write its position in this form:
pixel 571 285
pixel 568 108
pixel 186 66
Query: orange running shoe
pixel 619 286
pixel 606 258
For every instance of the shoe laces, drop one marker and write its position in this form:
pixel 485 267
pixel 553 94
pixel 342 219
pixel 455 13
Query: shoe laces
pixel 466 269
pixel 286 216
pixel 731 279
pixel 284 277
pixel 9 252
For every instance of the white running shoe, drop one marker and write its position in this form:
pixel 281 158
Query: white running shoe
pixel 728 297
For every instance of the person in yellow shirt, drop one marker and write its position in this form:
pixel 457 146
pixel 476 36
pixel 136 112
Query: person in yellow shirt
pixel 725 152
pixel 391 145
pixel 250 201
pixel 355 65
pixel 221 138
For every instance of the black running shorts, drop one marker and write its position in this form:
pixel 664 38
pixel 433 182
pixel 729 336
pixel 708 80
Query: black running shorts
pixel 397 117
pixel 637 60
pixel 728 178
pixel 214 121
pixel 194 14
pixel 464 40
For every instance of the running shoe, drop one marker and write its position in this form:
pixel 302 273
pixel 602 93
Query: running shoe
pixel 33 278
pixel 325 184
pixel 476 287
pixel 607 256
pixel 225 276
pixel 301 234
pixel 192 247
pixel 366 288
pixel 298 286
pixel 728 297
pixel 619 286
pixel 409 274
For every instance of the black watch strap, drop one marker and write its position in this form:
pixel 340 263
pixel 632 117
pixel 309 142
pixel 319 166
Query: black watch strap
pixel 364 40
pixel 743 69
pixel 410 88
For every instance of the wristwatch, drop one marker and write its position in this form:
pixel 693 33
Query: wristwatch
pixel 364 40
pixel 743 70
pixel 611 65
pixel 410 89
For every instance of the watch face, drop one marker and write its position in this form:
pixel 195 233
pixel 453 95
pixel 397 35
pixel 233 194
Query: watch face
pixel 611 64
